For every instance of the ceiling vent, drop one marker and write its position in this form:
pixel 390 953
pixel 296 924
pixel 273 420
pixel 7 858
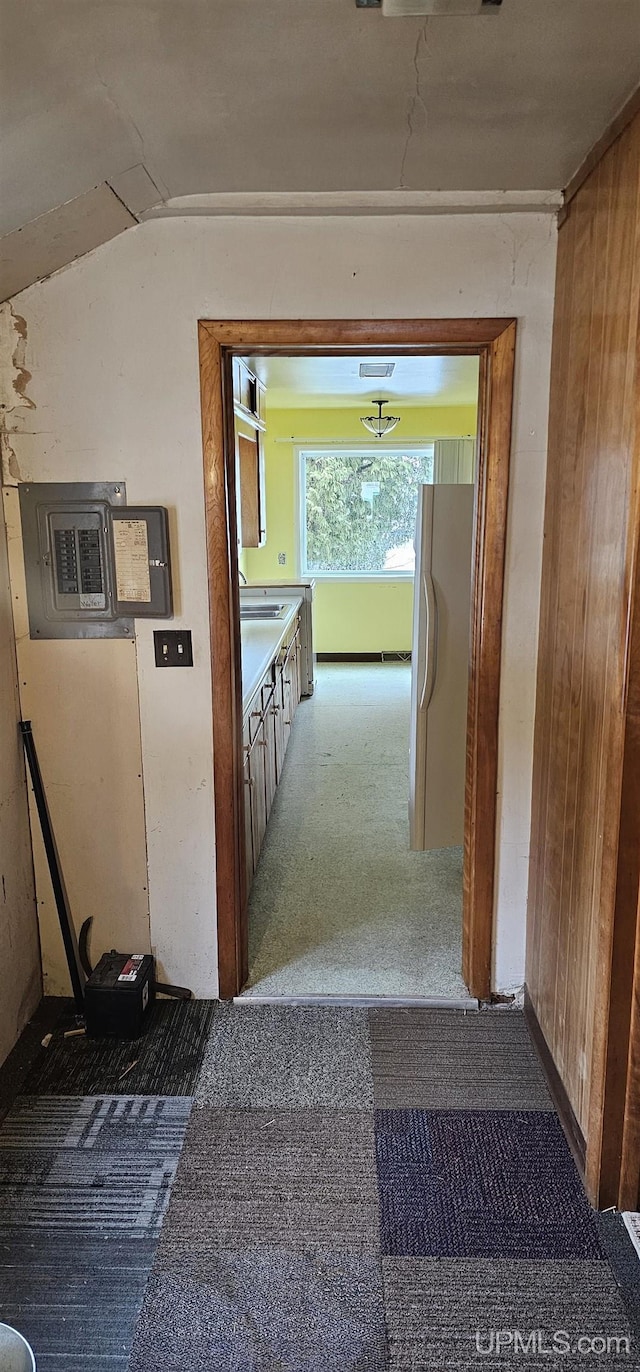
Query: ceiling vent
pixel 397 8
pixel 377 368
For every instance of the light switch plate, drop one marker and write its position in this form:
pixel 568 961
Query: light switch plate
pixel 173 647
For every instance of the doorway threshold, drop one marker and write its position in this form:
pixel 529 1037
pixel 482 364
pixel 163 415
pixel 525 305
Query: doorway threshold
pixel 364 1002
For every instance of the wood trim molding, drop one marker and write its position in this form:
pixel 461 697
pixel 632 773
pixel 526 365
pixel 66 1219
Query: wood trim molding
pixel 613 1163
pixel 496 392
pixel 226 666
pixel 617 126
pixel 575 1137
pixel 404 335
pixel 494 341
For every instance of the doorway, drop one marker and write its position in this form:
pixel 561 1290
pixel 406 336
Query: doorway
pixel 492 342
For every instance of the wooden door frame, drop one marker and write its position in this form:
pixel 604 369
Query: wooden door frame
pixel 493 341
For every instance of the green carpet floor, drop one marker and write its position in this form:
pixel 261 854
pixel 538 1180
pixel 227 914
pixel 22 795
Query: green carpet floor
pixel 339 904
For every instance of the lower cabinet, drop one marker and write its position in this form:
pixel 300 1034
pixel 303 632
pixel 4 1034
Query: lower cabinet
pixel 266 732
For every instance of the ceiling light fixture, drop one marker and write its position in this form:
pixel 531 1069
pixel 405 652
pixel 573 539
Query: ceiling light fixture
pixel 380 424
pixel 376 368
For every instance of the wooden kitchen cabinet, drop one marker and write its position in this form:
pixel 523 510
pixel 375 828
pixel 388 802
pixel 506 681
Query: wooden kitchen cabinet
pixel 258 791
pixel 251 478
pixel 248 394
pixel 267 729
pixel 249 412
pixel 248 809
pixel 271 781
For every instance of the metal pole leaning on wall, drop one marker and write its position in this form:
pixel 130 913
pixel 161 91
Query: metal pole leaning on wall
pixel 57 880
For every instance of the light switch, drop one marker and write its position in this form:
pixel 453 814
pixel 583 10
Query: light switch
pixel 173 647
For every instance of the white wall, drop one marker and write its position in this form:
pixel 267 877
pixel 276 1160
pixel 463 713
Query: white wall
pixel 112 347
pixel 20 981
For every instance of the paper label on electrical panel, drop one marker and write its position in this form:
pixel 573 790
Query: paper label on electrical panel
pixel 131 552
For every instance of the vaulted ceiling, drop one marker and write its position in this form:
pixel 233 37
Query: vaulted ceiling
pixel 210 96
pixel 247 95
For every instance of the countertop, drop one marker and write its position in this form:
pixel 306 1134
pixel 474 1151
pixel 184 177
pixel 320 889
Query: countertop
pixel 261 641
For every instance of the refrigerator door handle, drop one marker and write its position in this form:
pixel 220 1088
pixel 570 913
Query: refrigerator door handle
pixel 431 654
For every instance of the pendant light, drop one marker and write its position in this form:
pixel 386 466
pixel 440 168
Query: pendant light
pixel 380 424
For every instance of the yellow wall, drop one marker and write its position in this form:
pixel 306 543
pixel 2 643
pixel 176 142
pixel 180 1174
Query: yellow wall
pixel 349 616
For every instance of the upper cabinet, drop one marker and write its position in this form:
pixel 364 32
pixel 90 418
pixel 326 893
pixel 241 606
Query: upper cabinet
pixel 249 417
pixel 248 394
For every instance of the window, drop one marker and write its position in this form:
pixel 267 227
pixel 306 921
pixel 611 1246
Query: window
pixel 358 510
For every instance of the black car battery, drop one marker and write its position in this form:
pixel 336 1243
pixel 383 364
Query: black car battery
pixel 118 994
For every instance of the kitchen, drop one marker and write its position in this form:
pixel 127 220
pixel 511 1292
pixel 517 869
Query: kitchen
pixel 339 901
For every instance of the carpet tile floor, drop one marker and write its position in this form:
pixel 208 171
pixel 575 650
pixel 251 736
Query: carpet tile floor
pixel 316 1189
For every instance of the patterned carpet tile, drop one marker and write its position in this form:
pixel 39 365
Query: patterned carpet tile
pixel 486 1184
pixel 444 1060
pixel 504 1314
pixel 295 1056
pixel 166 1059
pixel 97 1163
pixel 291 1179
pixel 75 1297
pixel 267 1310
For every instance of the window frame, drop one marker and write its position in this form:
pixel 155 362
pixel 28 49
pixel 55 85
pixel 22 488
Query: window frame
pixel 303 450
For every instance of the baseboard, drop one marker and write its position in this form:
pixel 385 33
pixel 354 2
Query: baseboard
pixel 575 1136
pixel 364 657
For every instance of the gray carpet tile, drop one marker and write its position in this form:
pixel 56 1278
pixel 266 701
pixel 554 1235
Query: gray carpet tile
pixel 71 1362
pixel 166 1059
pixel 291 1179
pixel 449 1060
pixel 267 1310
pixel 287 1056
pixel 96 1163
pixel 75 1297
pixel 447 1313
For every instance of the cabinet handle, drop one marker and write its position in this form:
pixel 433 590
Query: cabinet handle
pixel 249 781
pixel 275 709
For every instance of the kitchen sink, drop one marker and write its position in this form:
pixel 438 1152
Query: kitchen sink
pixel 269 610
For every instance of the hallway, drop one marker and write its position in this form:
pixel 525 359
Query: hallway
pixel 339 905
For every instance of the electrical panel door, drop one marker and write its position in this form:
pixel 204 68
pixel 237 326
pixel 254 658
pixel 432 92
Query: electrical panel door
pixel 92 563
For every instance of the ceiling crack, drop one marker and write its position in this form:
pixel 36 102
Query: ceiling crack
pixel 122 114
pixel 417 100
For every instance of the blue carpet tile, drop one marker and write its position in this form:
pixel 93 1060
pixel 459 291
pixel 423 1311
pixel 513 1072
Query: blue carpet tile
pixel 316 1190
pixel 480 1184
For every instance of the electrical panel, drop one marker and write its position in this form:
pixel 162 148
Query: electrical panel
pixel 92 562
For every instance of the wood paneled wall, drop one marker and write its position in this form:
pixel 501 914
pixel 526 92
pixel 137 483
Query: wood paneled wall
pixel 583 890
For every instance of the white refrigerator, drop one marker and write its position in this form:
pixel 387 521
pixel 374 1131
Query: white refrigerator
pixel 440 665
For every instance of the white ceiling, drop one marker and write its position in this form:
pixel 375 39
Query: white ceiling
pixel 296 95
pixel 323 382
